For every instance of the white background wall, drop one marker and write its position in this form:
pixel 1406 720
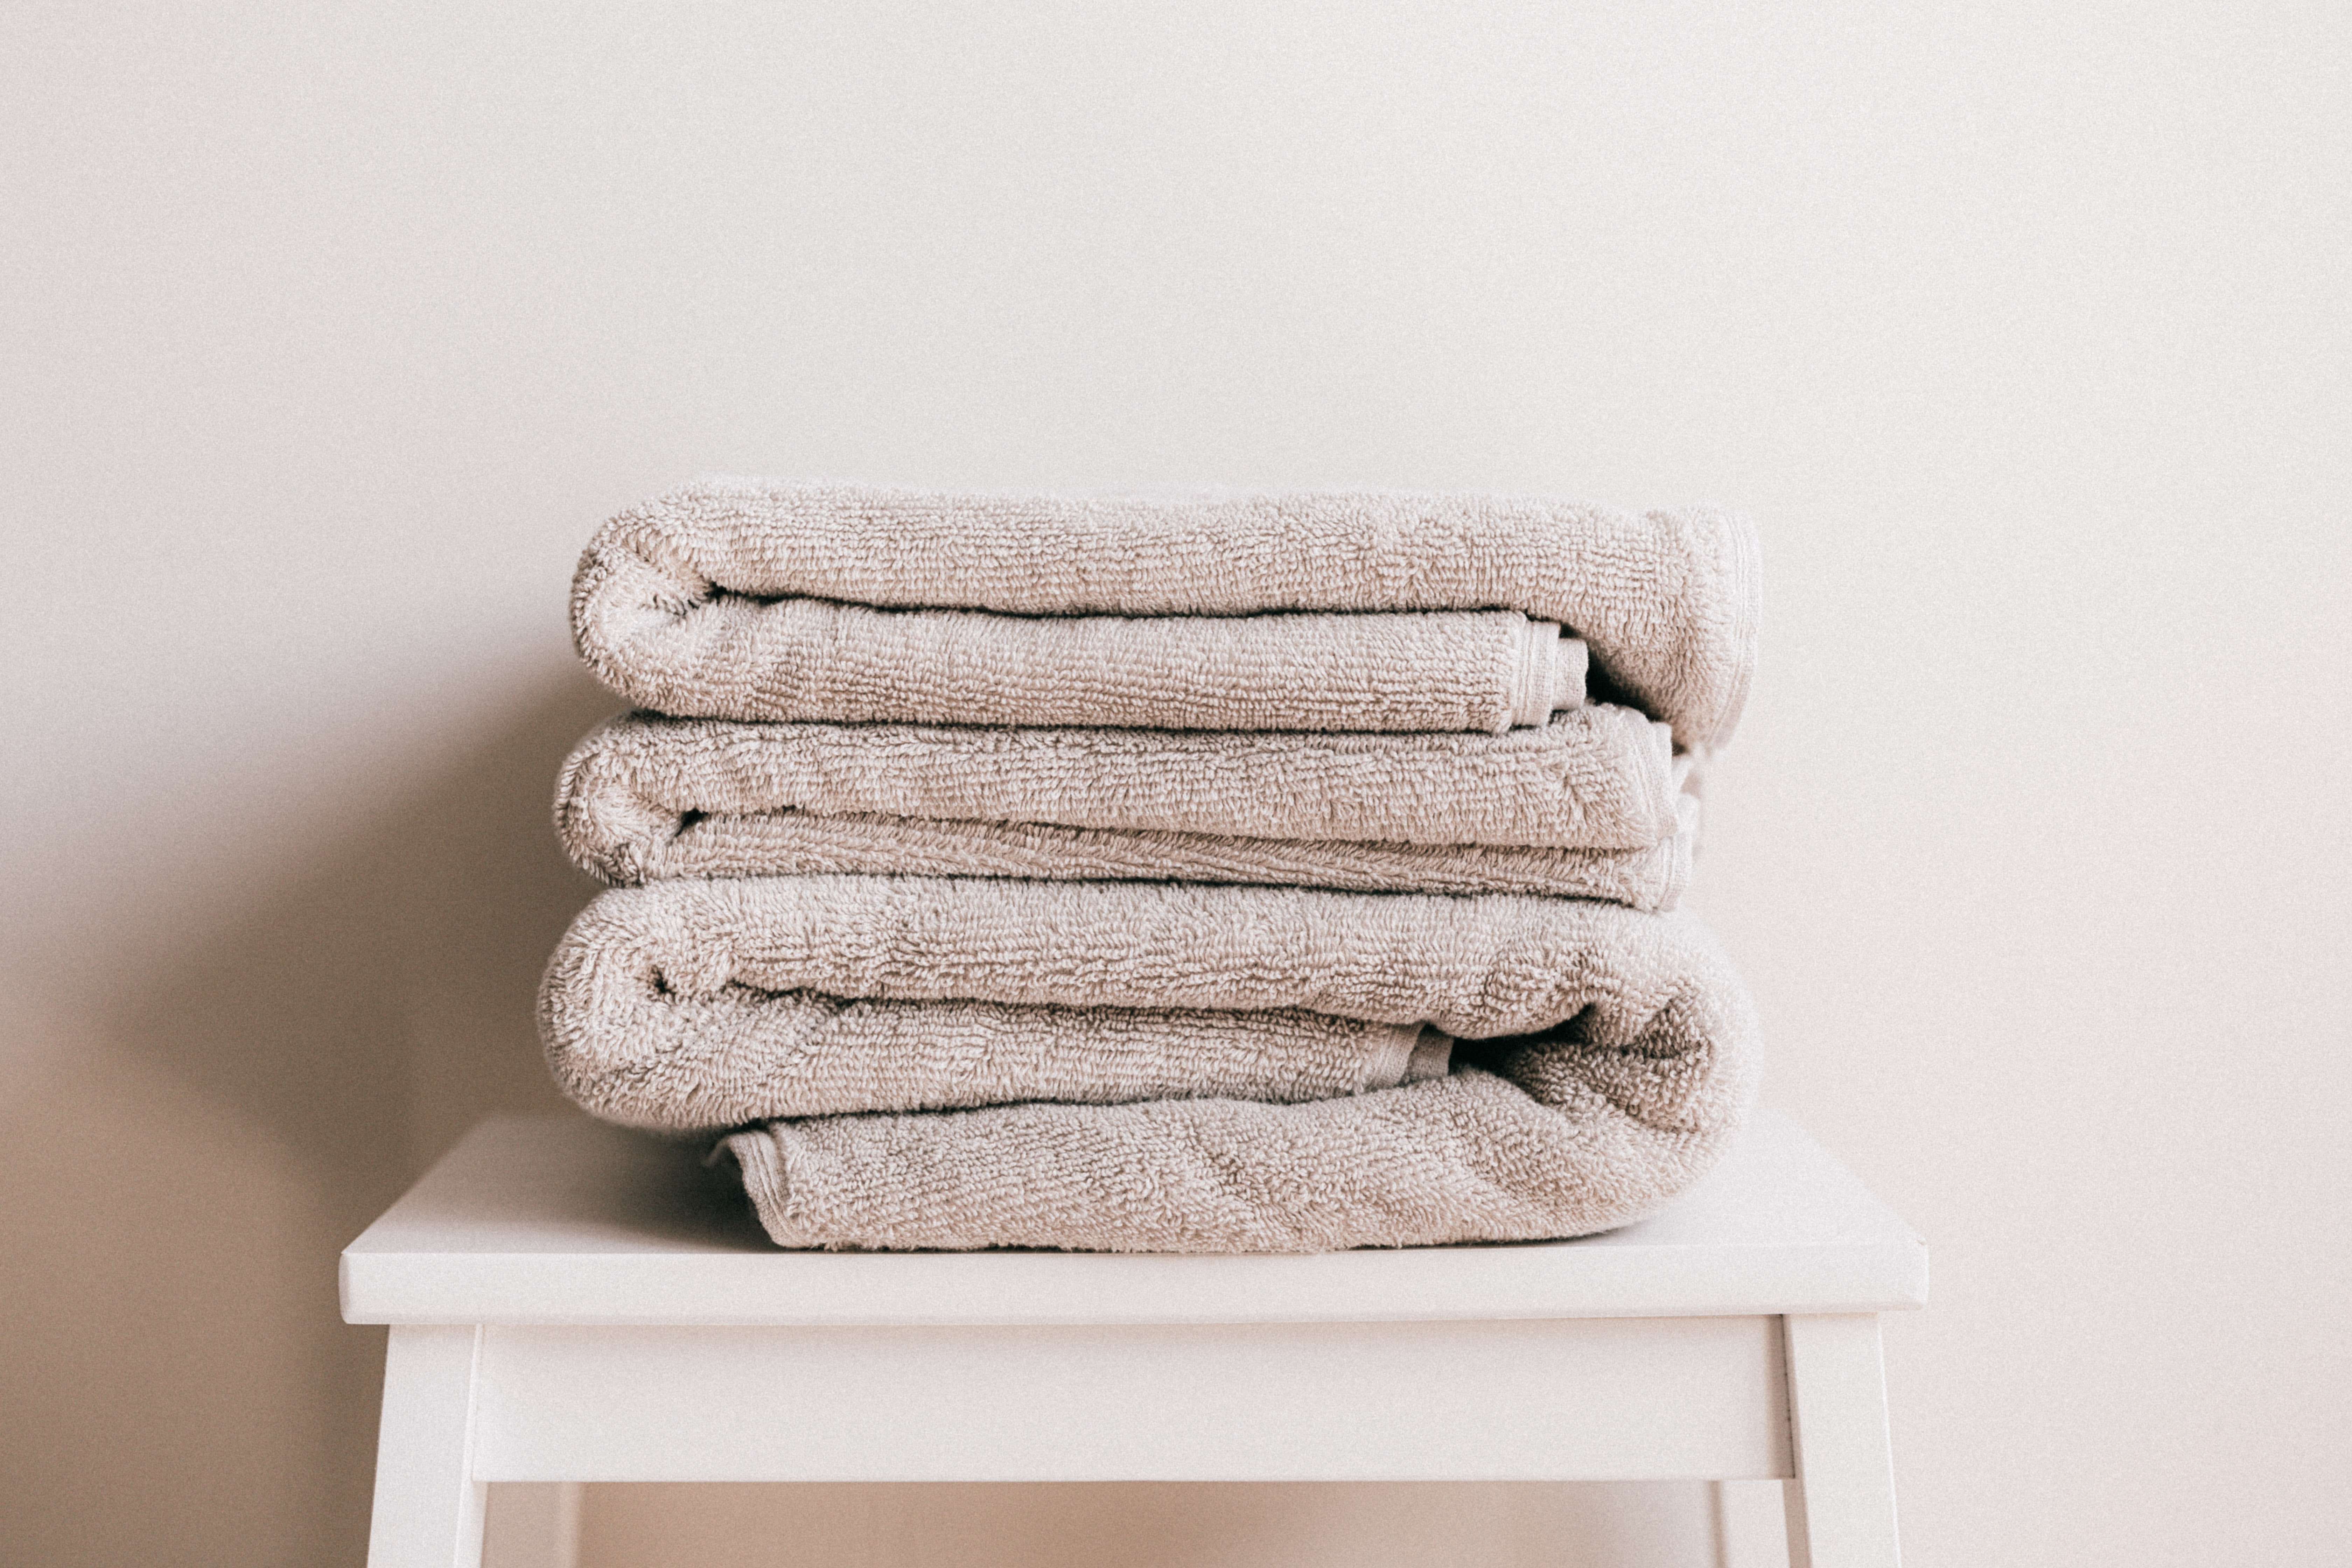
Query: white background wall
pixel 330 331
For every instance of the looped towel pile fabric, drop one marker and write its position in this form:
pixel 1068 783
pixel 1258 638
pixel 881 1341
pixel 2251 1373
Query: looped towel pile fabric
pixel 1588 806
pixel 1251 874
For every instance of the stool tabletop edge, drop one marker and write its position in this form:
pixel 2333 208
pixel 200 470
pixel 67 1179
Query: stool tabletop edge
pixel 560 1220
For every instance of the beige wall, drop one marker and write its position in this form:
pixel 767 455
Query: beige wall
pixel 328 336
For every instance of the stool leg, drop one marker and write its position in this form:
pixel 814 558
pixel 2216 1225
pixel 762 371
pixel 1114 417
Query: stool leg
pixel 428 1506
pixel 1750 1525
pixel 533 1525
pixel 1841 1507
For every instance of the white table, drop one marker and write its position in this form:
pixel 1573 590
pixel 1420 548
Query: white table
pixel 570 1303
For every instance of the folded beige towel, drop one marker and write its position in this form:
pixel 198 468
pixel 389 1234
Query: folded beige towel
pixel 799 844
pixel 1587 807
pixel 736 599
pixel 1616 1058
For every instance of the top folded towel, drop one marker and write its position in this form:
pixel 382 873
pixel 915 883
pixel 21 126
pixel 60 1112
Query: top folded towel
pixel 737 599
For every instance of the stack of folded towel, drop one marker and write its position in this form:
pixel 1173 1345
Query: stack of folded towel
pixel 1272 873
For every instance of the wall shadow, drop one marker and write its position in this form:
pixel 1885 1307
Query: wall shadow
pixel 256 1107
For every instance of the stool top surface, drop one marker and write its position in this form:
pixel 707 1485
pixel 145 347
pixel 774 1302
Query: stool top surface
pixel 560 1220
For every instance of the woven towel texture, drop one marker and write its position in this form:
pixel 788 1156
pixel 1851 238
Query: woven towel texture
pixel 1604 1053
pixel 797 844
pixel 1228 875
pixel 747 600
pixel 1620 1057
pixel 1587 807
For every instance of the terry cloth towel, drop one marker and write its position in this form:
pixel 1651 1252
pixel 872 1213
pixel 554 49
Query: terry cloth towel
pixel 798 844
pixel 744 600
pixel 1587 807
pixel 1161 1068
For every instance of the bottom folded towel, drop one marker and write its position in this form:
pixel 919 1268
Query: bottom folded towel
pixel 1156 1067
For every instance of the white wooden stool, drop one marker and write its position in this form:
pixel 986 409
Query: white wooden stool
pixel 569 1303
